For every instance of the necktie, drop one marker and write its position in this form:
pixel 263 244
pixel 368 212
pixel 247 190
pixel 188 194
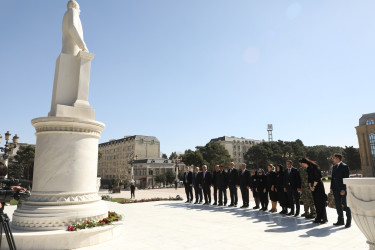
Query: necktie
pixel 288 170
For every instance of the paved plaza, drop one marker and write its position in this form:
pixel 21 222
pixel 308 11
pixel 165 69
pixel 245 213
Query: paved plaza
pixel 177 225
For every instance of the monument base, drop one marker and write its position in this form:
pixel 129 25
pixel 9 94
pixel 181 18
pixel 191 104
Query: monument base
pixel 63 239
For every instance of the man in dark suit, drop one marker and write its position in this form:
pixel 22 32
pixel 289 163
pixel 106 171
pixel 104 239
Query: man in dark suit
pixel 233 182
pixel 215 182
pixel 244 176
pixel 292 186
pixel 132 190
pixel 206 185
pixel 188 183
pixel 197 179
pixel 340 171
pixel 223 184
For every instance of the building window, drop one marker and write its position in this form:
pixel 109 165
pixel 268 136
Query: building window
pixel 370 122
pixel 372 147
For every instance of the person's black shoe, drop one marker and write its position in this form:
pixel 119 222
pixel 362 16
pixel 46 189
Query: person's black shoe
pixel 187 201
pixel 230 205
pixel 270 210
pixel 235 205
pixel 225 204
pixel 316 221
pixel 265 209
pixel 290 213
pixel 219 205
pixel 206 203
pixel 348 225
pixel 214 204
pixel 196 202
pixel 200 202
pixel 304 214
pixel 256 207
pixel 309 216
pixel 296 215
pixel 323 221
pixel 243 206
pixel 339 223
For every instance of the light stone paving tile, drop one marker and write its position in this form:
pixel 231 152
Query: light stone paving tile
pixel 166 224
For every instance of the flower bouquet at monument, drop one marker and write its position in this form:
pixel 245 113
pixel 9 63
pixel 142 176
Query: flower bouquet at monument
pixel 112 217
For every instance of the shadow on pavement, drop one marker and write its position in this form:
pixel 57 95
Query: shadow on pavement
pixel 276 222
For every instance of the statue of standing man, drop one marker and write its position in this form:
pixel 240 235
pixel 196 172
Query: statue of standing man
pixel 72 33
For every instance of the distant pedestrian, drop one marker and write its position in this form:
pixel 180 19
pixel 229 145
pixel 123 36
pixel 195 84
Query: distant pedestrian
pixel 338 189
pixel 132 191
pixel 175 184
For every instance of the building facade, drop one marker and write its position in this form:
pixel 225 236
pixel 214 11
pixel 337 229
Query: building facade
pixel 145 171
pixel 115 156
pixel 366 141
pixel 237 147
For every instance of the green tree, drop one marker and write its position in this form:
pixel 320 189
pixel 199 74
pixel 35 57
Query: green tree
pixel 24 162
pixel 352 157
pixel 164 156
pixel 160 178
pixel 258 156
pixel 181 175
pixel 191 157
pixel 214 153
pixel 173 156
pixel 170 176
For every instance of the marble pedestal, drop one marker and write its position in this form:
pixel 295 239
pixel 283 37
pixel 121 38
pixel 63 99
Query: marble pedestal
pixel 361 200
pixel 65 175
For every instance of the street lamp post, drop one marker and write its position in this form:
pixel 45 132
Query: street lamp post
pixel 177 160
pixel 132 169
pixel 8 147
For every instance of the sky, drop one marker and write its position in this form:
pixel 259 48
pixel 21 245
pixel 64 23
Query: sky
pixel 188 71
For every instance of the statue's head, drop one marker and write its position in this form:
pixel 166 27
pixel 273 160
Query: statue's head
pixel 72 4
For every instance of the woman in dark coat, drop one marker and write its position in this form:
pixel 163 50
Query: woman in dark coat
pixel 281 195
pixel 271 184
pixel 253 186
pixel 317 189
pixel 262 189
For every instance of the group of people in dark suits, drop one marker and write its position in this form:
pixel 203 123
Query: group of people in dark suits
pixel 278 185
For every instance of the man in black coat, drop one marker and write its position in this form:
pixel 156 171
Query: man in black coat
pixel 206 185
pixel 197 180
pixel 340 171
pixel 215 182
pixel 244 176
pixel 223 185
pixel 188 183
pixel 233 182
pixel 132 191
pixel 292 186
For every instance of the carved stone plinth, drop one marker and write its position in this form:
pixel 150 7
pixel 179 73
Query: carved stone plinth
pixel 361 200
pixel 65 175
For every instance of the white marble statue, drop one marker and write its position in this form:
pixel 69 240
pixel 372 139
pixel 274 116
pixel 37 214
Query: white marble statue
pixel 72 33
